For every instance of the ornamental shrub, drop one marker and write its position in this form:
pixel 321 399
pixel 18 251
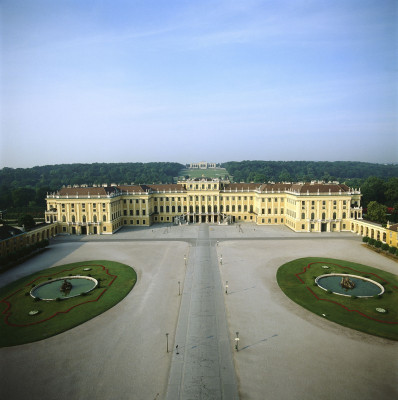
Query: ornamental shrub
pixel 371 241
pixel 378 244
pixel 392 250
pixel 365 239
pixel 385 246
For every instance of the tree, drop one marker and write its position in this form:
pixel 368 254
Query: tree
pixel 373 190
pixel 391 192
pixel 376 212
pixel 27 221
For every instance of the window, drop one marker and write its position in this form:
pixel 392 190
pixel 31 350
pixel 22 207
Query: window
pixel 104 218
pixel 125 212
pixel 302 215
pixel 269 211
pixel 137 212
pixel 131 212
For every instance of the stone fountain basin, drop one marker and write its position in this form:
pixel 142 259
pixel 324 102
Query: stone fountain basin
pixel 50 290
pixel 364 287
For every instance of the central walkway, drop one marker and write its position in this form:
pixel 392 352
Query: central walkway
pixel 202 366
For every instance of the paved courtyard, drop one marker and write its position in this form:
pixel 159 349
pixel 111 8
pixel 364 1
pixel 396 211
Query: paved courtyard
pixel 285 352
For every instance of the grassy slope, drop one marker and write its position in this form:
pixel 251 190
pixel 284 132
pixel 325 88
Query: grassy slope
pixel 21 304
pixel 299 293
pixel 208 173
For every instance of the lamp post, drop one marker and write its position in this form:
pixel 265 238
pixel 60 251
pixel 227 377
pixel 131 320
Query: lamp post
pixel 226 287
pixel 179 290
pixel 221 259
pixel 185 260
pixel 167 342
pixel 237 341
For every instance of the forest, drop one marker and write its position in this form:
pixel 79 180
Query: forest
pixel 294 171
pixel 23 190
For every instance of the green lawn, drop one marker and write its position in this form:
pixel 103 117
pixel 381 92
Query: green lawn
pixel 296 279
pixel 17 326
pixel 208 173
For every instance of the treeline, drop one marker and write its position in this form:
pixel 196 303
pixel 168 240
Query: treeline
pixel 25 188
pixel 378 182
pixel 21 187
pixel 293 171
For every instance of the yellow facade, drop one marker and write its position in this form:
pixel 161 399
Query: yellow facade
pixel 36 235
pixel 303 207
pixel 392 235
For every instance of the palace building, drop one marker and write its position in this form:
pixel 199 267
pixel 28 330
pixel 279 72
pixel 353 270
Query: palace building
pixel 303 207
pixel 202 165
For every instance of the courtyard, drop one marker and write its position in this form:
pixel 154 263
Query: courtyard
pixel 285 351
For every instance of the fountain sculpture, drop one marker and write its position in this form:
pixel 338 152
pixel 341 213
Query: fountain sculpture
pixel 347 283
pixel 66 287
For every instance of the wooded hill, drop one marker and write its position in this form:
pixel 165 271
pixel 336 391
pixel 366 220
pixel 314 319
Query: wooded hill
pixel 27 187
pixel 294 171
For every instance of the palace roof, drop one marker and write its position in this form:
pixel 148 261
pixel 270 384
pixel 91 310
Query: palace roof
pixel 393 228
pixel 84 191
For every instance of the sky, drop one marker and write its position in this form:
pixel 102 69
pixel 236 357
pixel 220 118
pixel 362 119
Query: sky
pixel 197 80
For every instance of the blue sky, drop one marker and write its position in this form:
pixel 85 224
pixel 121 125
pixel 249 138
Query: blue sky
pixel 185 81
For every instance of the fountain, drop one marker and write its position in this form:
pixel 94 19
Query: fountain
pixel 349 285
pixel 64 288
